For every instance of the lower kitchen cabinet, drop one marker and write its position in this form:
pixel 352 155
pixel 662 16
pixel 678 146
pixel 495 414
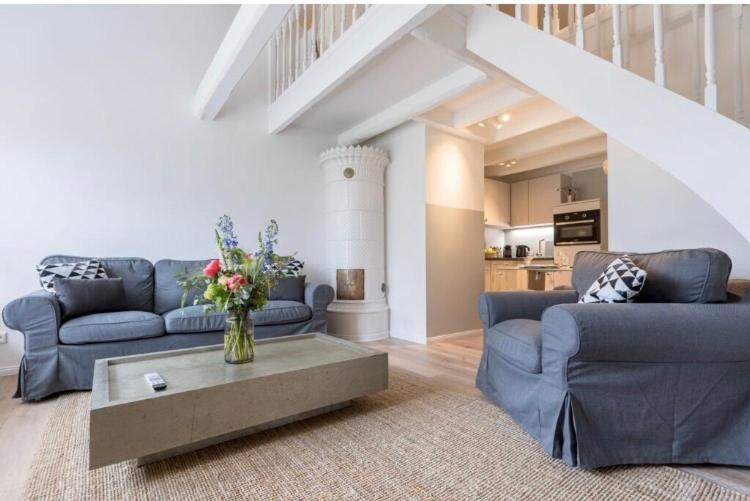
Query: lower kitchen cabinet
pixel 557 278
pixel 502 277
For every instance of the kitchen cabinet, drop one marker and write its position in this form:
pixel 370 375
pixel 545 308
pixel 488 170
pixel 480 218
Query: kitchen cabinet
pixel 487 276
pixel 496 203
pixel 519 203
pixel 531 201
pixel 503 276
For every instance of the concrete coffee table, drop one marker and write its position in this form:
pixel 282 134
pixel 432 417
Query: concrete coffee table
pixel 208 401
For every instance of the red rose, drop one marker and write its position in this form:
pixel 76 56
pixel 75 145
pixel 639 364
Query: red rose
pixel 212 268
pixel 235 282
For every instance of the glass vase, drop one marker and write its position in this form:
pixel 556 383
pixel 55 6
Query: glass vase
pixel 239 338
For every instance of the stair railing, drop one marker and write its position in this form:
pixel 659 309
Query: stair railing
pixel 307 32
pixel 572 22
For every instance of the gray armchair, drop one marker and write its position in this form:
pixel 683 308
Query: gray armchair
pixel 666 380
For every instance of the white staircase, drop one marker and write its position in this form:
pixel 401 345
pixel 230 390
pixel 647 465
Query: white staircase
pixel 705 150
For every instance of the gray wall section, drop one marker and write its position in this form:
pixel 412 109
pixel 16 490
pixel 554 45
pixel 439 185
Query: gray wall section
pixel 649 210
pixel 590 183
pixel 455 269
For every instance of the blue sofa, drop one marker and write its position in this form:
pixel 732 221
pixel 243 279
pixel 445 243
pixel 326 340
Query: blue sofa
pixel 665 379
pixel 59 354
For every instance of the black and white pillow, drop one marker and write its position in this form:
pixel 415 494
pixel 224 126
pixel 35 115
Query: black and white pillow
pixel 291 269
pixel 621 282
pixel 83 270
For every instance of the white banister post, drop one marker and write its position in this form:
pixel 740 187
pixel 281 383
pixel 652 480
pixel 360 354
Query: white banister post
pixel 547 22
pixel 739 98
pixel 284 75
pixel 580 33
pixel 296 41
pixel 305 33
pixel 709 46
pixel 290 73
pixel 519 11
pixel 571 24
pixel 598 22
pixel 278 55
pixel 616 43
pixel 659 73
pixel 331 26
pixel 556 18
pixel 342 8
pixel 698 66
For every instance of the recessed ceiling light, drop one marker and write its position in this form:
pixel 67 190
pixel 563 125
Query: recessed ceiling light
pixel 505 117
pixel 498 125
pixel 502 164
pixel 513 162
pixel 481 124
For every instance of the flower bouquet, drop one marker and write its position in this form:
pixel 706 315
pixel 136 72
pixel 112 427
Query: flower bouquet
pixel 237 283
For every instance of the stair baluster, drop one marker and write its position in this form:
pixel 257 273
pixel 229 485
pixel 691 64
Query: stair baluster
pixel 659 70
pixel 616 44
pixel 709 46
pixel 739 101
pixel 580 32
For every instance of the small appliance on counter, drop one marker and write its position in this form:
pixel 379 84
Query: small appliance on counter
pixel 522 250
pixel 490 252
pixel 508 251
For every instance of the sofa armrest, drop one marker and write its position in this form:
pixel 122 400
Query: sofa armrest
pixel 37 316
pixel 647 332
pixel 495 307
pixel 318 297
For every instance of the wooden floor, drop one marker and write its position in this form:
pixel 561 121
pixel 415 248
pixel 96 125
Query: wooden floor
pixel 450 361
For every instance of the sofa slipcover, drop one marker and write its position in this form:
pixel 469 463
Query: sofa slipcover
pixel 112 326
pixel 638 383
pixel 193 319
pixel 57 359
pixel 518 341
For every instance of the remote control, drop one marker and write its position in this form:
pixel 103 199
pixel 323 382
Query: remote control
pixel 156 382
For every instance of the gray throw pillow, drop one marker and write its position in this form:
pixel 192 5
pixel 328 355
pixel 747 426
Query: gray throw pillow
pixel 289 289
pixel 84 297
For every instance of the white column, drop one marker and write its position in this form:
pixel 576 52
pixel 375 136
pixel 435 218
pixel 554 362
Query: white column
pixel 659 72
pixel 616 42
pixel 698 66
pixel 519 11
pixel 739 99
pixel 355 238
pixel 709 41
pixel 547 22
pixel 580 32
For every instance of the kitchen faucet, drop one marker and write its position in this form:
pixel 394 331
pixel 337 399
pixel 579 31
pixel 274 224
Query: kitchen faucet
pixel 539 252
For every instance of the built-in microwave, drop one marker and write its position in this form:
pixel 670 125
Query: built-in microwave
pixel 578 228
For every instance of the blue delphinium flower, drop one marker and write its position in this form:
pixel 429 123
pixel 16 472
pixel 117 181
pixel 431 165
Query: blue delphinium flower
pixel 267 243
pixel 226 229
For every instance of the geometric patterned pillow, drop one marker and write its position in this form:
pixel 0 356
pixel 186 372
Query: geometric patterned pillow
pixel 290 269
pixel 619 283
pixel 84 270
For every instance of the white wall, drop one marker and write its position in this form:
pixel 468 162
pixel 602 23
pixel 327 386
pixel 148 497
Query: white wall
pixel 649 210
pixel 405 235
pixel 100 154
pixel 454 178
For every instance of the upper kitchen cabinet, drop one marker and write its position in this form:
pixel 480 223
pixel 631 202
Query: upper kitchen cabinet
pixel 532 201
pixel 496 203
pixel 545 193
pixel 519 203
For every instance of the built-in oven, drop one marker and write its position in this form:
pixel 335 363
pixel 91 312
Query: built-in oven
pixel 578 228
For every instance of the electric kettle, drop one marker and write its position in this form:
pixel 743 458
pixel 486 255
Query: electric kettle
pixel 522 250
pixel 508 251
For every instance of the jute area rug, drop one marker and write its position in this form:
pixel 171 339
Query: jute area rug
pixel 417 440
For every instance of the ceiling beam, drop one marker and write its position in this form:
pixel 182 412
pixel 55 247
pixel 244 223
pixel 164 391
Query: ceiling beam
pixel 378 28
pixel 532 116
pixel 447 31
pixel 252 27
pixel 442 119
pixel 489 106
pixel 421 101
pixel 540 141
pixel 567 153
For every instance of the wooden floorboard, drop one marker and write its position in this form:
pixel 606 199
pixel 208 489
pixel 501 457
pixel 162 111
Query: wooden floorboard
pixel 451 361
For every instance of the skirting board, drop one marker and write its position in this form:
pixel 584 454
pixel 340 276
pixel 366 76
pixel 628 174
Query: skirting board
pixel 11 370
pixel 443 337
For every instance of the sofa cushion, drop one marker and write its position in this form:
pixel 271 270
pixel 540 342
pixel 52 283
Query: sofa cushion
pixel 137 278
pixel 519 342
pixel 193 319
pixel 84 297
pixel 289 289
pixel 114 326
pixel 674 276
pixel 167 295
pixel 282 312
